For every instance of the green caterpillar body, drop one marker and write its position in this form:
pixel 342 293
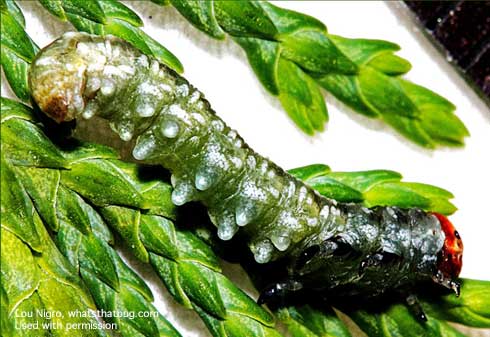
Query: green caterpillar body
pixel 168 122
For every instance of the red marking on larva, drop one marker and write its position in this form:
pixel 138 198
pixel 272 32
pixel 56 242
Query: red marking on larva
pixel 451 256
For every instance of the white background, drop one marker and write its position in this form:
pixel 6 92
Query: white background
pixel 351 142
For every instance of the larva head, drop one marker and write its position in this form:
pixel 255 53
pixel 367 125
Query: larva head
pixel 450 259
pixel 57 78
pixel 74 69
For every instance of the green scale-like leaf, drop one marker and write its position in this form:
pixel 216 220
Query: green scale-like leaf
pixel 246 18
pixel 263 56
pixel 20 274
pixel 16 207
pixel 42 185
pixel 301 97
pixel 102 183
pixel 306 321
pixel 315 52
pixel 200 14
pixel 126 222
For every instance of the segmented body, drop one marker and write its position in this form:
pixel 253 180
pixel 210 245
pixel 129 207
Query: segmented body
pixel 170 123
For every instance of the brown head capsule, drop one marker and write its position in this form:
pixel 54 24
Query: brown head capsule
pixel 57 79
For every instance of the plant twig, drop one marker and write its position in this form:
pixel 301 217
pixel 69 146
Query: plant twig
pixel 35 277
pixel 294 56
pixel 141 212
pixel 375 188
pixel 17 48
pixel 181 254
pixel 33 171
pixel 104 17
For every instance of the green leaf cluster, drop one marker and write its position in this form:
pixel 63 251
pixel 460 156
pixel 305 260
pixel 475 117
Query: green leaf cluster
pixel 37 193
pixel 396 319
pixel 291 53
pixel 385 188
pixel 79 192
pixel 37 281
pixel 294 56
pixel 17 48
pixel 375 188
pixel 471 309
pixel 103 17
pixel 35 276
pixel 187 266
pixel 191 273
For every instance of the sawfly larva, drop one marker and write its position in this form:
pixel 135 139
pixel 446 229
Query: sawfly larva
pixel 332 247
